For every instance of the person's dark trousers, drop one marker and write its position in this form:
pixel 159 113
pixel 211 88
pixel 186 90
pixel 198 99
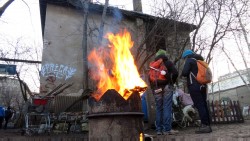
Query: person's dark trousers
pixel 6 123
pixel 1 122
pixel 199 97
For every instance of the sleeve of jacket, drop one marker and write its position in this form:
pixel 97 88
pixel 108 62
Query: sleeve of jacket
pixel 172 74
pixel 187 68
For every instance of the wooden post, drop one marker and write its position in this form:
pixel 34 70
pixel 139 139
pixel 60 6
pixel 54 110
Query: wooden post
pixel 213 115
pixel 225 112
pixel 241 119
pixel 233 110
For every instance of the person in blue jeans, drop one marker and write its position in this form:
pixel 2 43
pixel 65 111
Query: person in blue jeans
pixel 163 94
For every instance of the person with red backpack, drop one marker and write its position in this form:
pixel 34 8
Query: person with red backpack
pixel 162 77
pixel 198 88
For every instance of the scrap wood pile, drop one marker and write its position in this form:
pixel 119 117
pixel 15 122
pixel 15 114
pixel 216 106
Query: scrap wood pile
pixel 69 116
pixel 42 103
pixel 68 122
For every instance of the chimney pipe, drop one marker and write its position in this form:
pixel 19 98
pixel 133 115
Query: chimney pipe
pixel 137 5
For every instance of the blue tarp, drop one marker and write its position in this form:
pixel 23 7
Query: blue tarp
pixel 144 107
pixel 7 69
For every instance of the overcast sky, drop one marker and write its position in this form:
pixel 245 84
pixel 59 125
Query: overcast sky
pixel 21 21
pixel 20 27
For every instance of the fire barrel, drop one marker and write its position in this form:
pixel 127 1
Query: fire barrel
pixel 112 118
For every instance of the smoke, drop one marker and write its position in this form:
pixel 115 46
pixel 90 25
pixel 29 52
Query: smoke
pixel 117 15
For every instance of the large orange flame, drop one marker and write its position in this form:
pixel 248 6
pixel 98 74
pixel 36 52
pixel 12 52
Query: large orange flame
pixel 113 67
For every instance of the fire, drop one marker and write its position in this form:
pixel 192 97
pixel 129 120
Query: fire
pixel 141 137
pixel 113 67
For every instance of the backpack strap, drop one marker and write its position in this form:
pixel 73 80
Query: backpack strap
pixel 156 84
pixel 157 70
pixel 192 74
pixel 190 77
pixel 154 74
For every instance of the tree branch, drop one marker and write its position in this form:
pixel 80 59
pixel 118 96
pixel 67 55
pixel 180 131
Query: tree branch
pixel 5 6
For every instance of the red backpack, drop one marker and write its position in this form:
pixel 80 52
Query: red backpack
pixel 155 69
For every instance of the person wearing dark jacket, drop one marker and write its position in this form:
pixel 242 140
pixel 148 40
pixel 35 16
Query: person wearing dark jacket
pixel 8 115
pixel 198 92
pixel 2 115
pixel 163 94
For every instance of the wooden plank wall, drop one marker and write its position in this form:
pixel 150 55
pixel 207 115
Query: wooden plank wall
pixel 62 102
pixel 225 112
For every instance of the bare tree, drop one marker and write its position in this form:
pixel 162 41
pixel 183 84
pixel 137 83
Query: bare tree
pixel 241 50
pixel 5 6
pixel 238 10
pixel 102 22
pixel 239 14
pixel 241 10
pixel 238 72
pixel 16 52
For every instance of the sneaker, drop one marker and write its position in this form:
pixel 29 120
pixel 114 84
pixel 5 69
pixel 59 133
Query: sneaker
pixel 171 132
pixel 204 129
pixel 159 133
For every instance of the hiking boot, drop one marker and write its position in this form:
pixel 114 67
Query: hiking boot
pixel 204 129
pixel 171 132
pixel 159 133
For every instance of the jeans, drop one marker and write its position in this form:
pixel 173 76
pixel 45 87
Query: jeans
pixel 6 123
pixel 1 122
pixel 164 102
pixel 199 97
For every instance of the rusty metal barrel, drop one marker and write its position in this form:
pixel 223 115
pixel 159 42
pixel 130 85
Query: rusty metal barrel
pixel 112 118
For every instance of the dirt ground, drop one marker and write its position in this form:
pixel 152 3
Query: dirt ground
pixel 234 130
pixel 15 135
pixel 227 132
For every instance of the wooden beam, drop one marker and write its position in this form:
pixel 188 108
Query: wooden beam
pixel 19 60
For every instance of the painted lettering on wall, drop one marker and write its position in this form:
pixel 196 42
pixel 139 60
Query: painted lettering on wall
pixel 59 70
pixel 49 85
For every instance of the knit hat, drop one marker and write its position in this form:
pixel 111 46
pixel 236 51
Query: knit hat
pixel 161 52
pixel 186 53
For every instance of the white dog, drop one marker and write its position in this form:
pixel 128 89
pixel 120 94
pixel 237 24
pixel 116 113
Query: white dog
pixel 245 111
pixel 186 111
pixel 186 101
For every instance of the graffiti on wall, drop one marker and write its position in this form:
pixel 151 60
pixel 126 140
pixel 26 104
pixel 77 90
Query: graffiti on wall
pixel 49 85
pixel 59 70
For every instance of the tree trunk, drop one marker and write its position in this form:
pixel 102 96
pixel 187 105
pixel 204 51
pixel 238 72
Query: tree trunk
pixel 102 22
pixel 85 4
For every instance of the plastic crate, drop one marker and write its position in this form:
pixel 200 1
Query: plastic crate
pixel 40 101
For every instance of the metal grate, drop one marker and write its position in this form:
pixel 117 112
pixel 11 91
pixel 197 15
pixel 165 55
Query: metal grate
pixel 61 103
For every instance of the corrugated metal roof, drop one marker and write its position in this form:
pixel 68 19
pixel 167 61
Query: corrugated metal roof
pixel 110 11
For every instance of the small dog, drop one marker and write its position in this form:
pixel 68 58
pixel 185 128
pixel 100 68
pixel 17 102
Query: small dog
pixel 245 110
pixel 189 113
